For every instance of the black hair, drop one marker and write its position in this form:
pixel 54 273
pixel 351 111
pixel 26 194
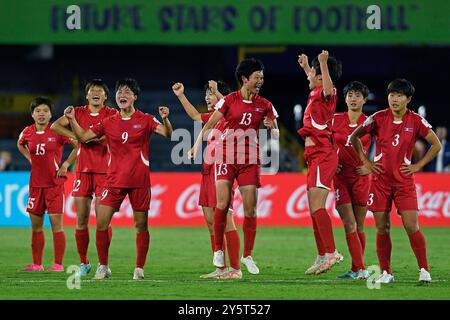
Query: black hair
pixel 246 67
pixel 222 87
pixel 334 67
pixel 41 100
pixel 130 83
pixel 401 86
pixel 358 87
pixel 96 83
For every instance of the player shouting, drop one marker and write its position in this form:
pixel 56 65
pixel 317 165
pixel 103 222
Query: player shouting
pixel 91 164
pixel 128 137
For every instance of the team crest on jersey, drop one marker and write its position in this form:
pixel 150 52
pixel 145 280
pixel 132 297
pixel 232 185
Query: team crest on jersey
pixel 137 126
pixel 51 139
pixel 258 109
pixel 409 129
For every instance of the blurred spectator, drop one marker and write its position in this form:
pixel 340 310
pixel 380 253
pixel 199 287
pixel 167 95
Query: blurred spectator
pixel 442 161
pixel 6 163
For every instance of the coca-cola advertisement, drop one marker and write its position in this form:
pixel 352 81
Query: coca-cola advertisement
pixel 282 201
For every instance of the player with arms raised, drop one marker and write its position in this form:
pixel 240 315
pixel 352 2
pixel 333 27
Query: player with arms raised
pixel 244 110
pixel 128 137
pixel 396 130
pixel 320 153
pixel 214 91
pixel 43 148
pixel 91 165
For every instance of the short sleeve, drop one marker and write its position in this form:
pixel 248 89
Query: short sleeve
pixel 272 112
pixel 222 106
pixel 66 140
pixel 370 124
pixel 23 137
pixel 423 126
pixel 98 129
pixel 206 116
pixel 153 123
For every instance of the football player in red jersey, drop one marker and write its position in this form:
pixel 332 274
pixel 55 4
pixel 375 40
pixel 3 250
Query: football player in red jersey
pixel 128 137
pixel 43 149
pixel 244 110
pixel 214 91
pixel 320 153
pixel 91 164
pixel 396 130
pixel 351 182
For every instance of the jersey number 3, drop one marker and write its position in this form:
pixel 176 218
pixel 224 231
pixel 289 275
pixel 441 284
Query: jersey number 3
pixel 396 140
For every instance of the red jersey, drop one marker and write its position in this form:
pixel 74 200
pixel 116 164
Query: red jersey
pixel 208 163
pixel 318 117
pixel 395 142
pixel 92 156
pixel 342 130
pixel 128 142
pixel 243 119
pixel 46 149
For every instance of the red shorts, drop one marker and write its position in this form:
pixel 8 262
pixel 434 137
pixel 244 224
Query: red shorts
pixel 322 164
pixel 87 183
pixel 351 189
pixel 382 195
pixel 50 199
pixel 139 198
pixel 207 197
pixel 245 174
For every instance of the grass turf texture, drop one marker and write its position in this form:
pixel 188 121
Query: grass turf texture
pixel 178 256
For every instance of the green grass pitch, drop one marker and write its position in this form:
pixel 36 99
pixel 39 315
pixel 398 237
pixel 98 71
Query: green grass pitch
pixel 178 256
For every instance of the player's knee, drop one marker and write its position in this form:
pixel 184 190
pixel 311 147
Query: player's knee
pixel 82 224
pixel 250 212
pixel 411 227
pixel 141 226
pixel 36 228
pixel 384 229
pixel 350 227
pixel 359 228
pixel 223 204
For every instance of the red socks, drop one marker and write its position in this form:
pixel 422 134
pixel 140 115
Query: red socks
pixel 102 244
pixel 59 246
pixel 319 242
pixel 418 244
pixel 37 246
pixel 142 245
pixel 233 244
pixel 109 236
pixel 82 240
pixel 249 228
pixel 362 239
pixel 384 249
pixel 220 220
pixel 325 229
pixel 354 246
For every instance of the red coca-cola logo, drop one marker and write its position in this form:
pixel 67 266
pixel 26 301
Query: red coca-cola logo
pixel 187 203
pixel 433 204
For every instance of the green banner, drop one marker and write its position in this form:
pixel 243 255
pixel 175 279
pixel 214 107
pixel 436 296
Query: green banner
pixel 220 22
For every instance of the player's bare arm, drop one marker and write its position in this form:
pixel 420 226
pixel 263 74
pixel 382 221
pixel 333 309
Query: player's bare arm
pixel 24 151
pixel 216 116
pixel 372 167
pixel 164 129
pixel 213 87
pixel 436 146
pixel 70 159
pixel 81 135
pixel 304 64
pixel 178 90
pixel 60 127
pixel 327 84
